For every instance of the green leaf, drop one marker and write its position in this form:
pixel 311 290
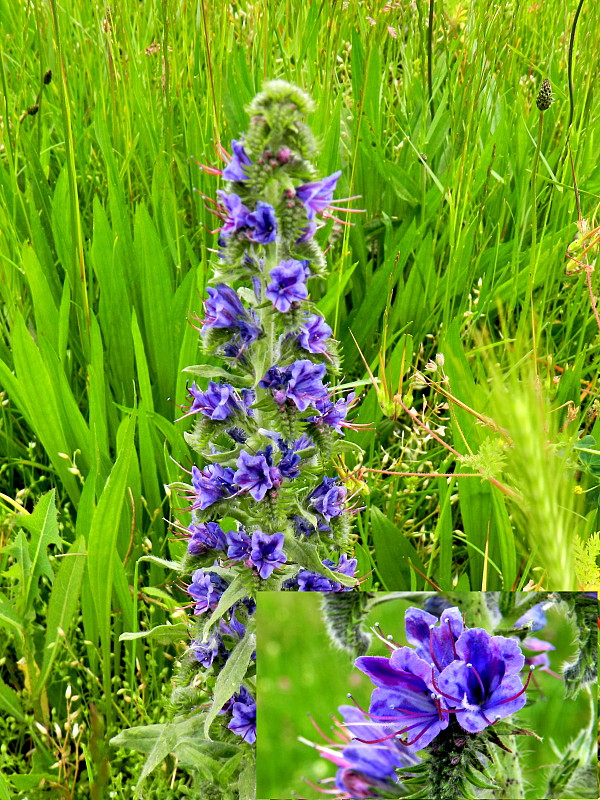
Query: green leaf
pixel 62 606
pixel 232 675
pixel 102 545
pixel 4 790
pixel 162 634
pixel 43 527
pixel 393 553
pixel 235 591
pixel 306 555
pixel 208 371
pixel 247 782
pixel 11 702
pixel 9 617
pixel 162 562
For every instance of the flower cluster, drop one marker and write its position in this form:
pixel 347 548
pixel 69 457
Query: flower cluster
pixel 268 508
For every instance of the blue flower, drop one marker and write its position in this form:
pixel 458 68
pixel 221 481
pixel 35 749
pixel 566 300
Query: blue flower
pixel 535 615
pixel 305 386
pixel 377 761
pixel 301 383
pixel 434 643
pixel 267 552
pixel 206 652
pixel 288 285
pixel 218 402
pixel 333 414
pixel 243 721
pixel 483 686
pixel 234 171
pixel 224 310
pixel 318 195
pixel 239 545
pixel 328 498
pixel 256 474
pixel 212 484
pixel 206 589
pixel 237 214
pixel 205 536
pixel 405 696
pixel 314 333
pixel 302 527
pixel 263 222
pixel 313 582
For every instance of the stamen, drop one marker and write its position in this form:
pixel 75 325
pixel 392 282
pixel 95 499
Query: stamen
pixel 418 736
pixel 478 677
pixel 518 694
pixel 318 730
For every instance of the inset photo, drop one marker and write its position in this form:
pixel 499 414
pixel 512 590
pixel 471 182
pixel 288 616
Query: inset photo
pixel 427 695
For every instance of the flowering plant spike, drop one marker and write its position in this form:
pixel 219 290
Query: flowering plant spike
pixel 269 511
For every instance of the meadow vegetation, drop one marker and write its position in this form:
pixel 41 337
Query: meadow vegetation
pixel 482 467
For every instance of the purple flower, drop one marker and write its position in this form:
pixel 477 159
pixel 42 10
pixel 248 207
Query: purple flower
pixel 206 589
pixel 256 474
pixel 301 383
pixel 318 195
pixel 535 615
pixel 288 285
pixel 206 652
pixel 302 526
pixel 333 414
pixel 223 307
pixel 405 696
pixel 239 545
pixel 224 310
pixel 238 215
pixel 435 644
pixel 243 721
pixel 313 582
pixel 205 536
pixel 219 401
pixel 314 333
pixel 377 761
pixel 307 233
pixel 211 484
pixel 267 552
pixel 264 223
pixel 483 686
pixel 305 386
pixel 328 498
pixel 234 171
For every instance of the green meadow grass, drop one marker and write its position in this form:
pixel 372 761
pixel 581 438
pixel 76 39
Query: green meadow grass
pixel 104 254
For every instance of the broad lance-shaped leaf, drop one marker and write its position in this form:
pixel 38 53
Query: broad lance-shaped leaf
pixel 102 544
pixel 42 525
pixel 62 606
pixel 232 675
pixel 161 634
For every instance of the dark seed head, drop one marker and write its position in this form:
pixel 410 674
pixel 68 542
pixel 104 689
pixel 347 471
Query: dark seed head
pixel 544 98
pixel 47 77
pixel 33 110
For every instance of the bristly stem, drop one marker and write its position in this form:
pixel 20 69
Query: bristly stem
pixel 430 59
pixel 509 775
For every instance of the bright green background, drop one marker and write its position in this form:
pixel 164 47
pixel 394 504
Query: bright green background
pixel 299 672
